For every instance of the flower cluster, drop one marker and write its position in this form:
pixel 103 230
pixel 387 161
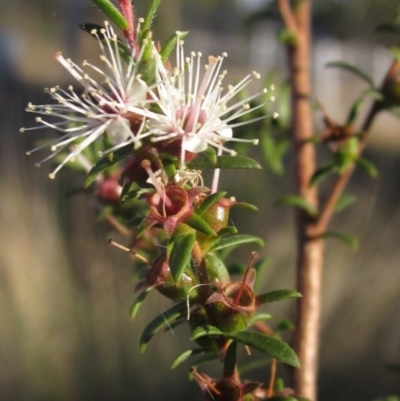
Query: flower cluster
pixel 155 119
pixel 182 107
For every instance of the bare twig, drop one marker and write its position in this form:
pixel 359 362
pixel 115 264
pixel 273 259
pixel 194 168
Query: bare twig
pixel 270 391
pixel 113 222
pixel 328 208
pixel 287 15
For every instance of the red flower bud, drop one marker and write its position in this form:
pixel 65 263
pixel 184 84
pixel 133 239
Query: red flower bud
pixel 109 190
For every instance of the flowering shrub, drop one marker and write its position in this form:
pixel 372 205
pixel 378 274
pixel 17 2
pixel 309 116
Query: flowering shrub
pixel 158 127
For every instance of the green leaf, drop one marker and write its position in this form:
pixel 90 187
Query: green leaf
pixel 388 28
pixel 245 205
pixel 181 253
pixel 185 355
pixel 392 367
pixel 343 202
pixel 219 268
pixel 202 331
pixel 209 201
pixel 297 201
pixel 285 325
pixel 367 166
pixel 170 45
pixel 230 360
pixel 255 364
pixel 106 162
pixel 350 240
pixel 138 302
pixel 287 37
pixel 352 69
pixel 277 295
pixel 322 172
pixel 199 224
pixel 112 12
pixel 211 154
pixel 206 357
pixel 355 109
pixel 268 345
pixel 273 152
pixel 389 398
pixel 281 398
pixel 160 322
pixel 224 162
pixel 151 12
pixel 236 240
pixel 259 317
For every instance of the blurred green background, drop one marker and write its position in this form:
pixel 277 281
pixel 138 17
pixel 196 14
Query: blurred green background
pixel 65 295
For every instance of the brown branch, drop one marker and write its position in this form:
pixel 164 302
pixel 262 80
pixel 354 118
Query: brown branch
pixel 270 391
pixel 287 15
pixel 113 222
pixel 328 209
pixel 310 251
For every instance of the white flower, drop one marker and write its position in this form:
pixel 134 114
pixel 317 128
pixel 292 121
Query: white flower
pixel 107 106
pixel 195 109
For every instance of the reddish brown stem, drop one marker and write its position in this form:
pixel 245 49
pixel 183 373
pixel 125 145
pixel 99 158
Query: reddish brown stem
pixel 270 391
pixel 236 301
pixel 310 247
pixel 310 251
pixel 127 10
pixel 328 208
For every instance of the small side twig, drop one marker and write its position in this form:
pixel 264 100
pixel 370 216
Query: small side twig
pixel 287 15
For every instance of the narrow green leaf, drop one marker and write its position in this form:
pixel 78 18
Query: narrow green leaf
pixel 224 162
pixel 343 202
pixel 160 322
pixel 227 230
pixel 236 240
pixel 322 172
pixel 392 367
pixel 268 345
pixel 199 224
pixel 285 325
pixel 151 12
pixel 245 205
pixel 230 360
pixel 202 331
pixel 287 37
pixel 112 12
pixel 181 253
pixel 254 364
pixel 350 240
pixel 106 162
pixel 219 268
pixel 185 355
pixel 297 201
pixel 277 295
pixel 273 151
pixel 206 357
pixel 388 28
pixel 259 317
pixel 210 200
pixel 170 45
pixel 211 155
pixel 352 69
pixel 367 166
pixel 355 109
pixel 138 302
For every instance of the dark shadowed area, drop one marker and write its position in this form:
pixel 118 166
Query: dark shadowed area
pixel 65 332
